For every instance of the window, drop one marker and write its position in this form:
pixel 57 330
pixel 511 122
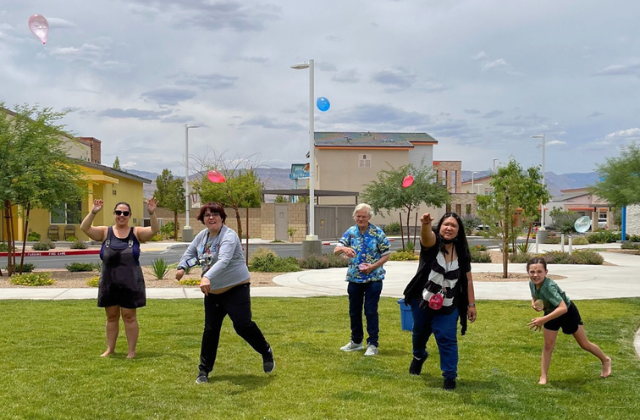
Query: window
pixel 364 161
pixel 67 214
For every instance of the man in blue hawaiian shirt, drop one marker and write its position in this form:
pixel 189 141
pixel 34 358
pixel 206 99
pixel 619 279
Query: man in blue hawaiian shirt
pixel 368 249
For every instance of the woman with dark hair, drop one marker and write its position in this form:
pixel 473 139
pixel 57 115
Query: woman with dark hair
pixel 121 289
pixel 440 293
pixel 559 312
pixel 225 284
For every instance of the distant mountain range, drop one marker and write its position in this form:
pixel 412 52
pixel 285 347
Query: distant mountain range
pixel 554 182
pixel 279 178
pixel 271 177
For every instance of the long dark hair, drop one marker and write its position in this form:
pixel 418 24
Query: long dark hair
pixel 460 241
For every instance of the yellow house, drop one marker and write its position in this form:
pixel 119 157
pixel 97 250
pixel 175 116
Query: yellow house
pixel 111 185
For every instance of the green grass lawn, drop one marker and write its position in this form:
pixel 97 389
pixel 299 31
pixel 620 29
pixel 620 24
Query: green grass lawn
pixel 50 366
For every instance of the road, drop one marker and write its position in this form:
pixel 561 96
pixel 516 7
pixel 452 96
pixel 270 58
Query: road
pixel 173 255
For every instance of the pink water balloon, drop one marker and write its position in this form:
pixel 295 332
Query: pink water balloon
pixel 40 27
pixel 407 181
pixel 216 177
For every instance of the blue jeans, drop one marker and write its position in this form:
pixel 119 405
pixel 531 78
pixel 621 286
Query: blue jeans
pixel 444 328
pixel 369 295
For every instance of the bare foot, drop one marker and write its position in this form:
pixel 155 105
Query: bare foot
pixel 107 353
pixel 606 368
pixel 131 355
pixel 542 381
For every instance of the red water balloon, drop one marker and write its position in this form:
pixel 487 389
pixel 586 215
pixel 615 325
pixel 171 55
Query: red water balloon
pixel 407 181
pixel 39 27
pixel 216 177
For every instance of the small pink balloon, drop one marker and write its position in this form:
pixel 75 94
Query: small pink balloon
pixel 40 27
pixel 407 181
pixel 216 177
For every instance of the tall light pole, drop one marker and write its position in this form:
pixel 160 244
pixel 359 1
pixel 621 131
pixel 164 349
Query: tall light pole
pixel 541 136
pixel 313 248
pixel 494 164
pixel 472 174
pixel 187 231
pixel 479 185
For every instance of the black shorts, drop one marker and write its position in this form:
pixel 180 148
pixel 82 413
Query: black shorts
pixel 569 321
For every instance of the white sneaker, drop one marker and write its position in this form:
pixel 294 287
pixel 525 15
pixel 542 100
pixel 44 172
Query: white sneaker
pixel 371 350
pixel 351 346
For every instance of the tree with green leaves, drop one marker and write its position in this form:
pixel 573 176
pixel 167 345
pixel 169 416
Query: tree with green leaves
pixel 242 187
pixel 564 221
pixel 35 171
pixel 170 194
pixel 387 192
pixel 116 164
pixel 513 189
pixel 620 178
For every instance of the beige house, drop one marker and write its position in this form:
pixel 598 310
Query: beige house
pixel 581 201
pixel 347 161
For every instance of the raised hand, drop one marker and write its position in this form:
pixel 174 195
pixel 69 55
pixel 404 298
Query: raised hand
pixel 426 219
pixel 151 205
pixel 97 206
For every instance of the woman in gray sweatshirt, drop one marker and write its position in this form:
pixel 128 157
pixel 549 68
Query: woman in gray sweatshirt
pixel 225 284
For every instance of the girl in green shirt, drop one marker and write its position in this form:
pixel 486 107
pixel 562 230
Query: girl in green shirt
pixel 559 312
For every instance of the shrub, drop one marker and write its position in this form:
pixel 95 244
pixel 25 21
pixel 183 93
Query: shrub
pixel 77 267
pixel 4 247
pixel 603 237
pixel 273 264
pixel 337 260
pixel 33 237
pixel 481 247
pixel 520 257
pixel 260 253
pixel 558 257
pixel 410 246
pixel 392 228
pixel 26 267
pixel 155 238
pixel 168 230
pixel 552 240
pixel 72 239
pixel 629 245
pixel 41 246
pixel 32 279
pixel 479 256
pixel 190 282
pixel 403 256
pixel 470 223
pixel 523 247
pixel 160 268
pixel 78 245
pixel 314 262
pixel 580 240
pixel 587 256
pixel 93 281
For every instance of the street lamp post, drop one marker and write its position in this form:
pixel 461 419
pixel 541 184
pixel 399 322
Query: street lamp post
pixel 472 174
pixel 479 185
pixel 494 164
pixel 311 245
pixel 187 231
pixel 541 136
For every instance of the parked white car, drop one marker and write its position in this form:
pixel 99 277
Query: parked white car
pixel 602 223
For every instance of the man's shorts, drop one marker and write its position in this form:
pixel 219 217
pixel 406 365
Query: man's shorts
pixel 569 321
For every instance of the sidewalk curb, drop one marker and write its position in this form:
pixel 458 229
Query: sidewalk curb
pixel 53 253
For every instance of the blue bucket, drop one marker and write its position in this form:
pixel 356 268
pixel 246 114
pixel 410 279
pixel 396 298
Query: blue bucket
pixel 406 318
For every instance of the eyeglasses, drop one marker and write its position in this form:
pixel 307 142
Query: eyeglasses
pixel 121 213
pixel 210 215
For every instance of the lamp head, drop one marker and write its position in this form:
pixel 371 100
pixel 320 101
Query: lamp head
pixel 538 136
pixel 300 66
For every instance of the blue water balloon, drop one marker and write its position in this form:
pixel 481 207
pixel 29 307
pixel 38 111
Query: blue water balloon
pixel 323 104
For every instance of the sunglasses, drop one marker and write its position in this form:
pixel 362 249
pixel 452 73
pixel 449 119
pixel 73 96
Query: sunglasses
pixel 122 213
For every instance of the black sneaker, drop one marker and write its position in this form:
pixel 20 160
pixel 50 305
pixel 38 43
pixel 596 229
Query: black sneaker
pixel 202 378
pixel 268 364
pixel 449 384
pixel 416 366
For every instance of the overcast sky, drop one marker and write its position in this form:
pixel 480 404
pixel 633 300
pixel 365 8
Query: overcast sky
pixel 480 76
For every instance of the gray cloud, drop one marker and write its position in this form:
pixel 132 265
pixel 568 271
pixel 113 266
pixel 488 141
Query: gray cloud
pixel 492 114
pixel 382 115
pixel 266 122
pixel 396 79
pixel 347 76
pixel 140 114
pixel 620 70
pixel 206 81
pixel 169 96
